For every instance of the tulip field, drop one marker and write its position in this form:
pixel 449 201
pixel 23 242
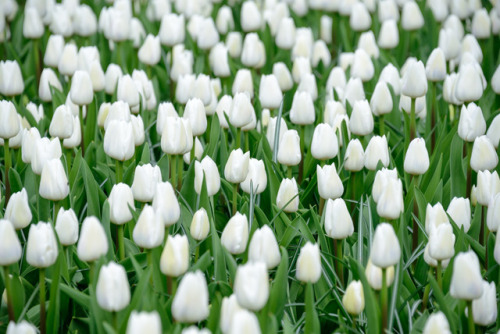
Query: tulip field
pixel 249 166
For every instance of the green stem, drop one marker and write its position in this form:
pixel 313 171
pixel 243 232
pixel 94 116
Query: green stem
pixel 114 316
pixel 339 261
pixel 193 151
pixel 68 159
pixel 179 174
pixel 469 169
pixel 173 169
pixel 57 206
pixel 383 299
pixel 43 326
pixel 353 190
pixel 197 253
pixel 433 116
pixel 119 171
pixel 439 275
pixel 8 163
pixel 413 122
pixel 36 51
pixel 302 150
pixel 425 298
pixel 415 212
pixel 149 254
pixel 82 142
pixel 247 141
pixel 238 138
pixel 381 123
pixel 472 328
pixel 10 307
pixel 310 309
pixel 289 172
pixel 121 243
pixel 235 198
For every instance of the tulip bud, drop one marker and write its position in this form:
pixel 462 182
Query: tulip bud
pixel 437 323
pixel 234 44
pixel 374 275
pixel 288 196
pixel 493 217
pixel 459 211
pixel 229 309
pixel 361 120
pixel 218 61
pixel 388 37
pixel 54 182
pixel 270 94
pixel 353 91
pixel 200 226
pixel 488 185
pixel 485 308
pixel 41 248
pixel 144 322
pixel 381 100
pixel 309 263
pixel 191 299
pixel 206 170
pixel 149 53
pixel 236 169
pixel 119 140
pixel 484 155
pixel 289 149
pixel 251 54
pixel 469 85
pixel 302 111
pixel 256 177
pixel 241 110
pixel 251 285
pixel 414 81
pixel 62 25
pixel 441 242
pixel 284 76
pixel 390 204
pixel 145 179
pixel 285 36
pixel 435 216
pixel 354 156
pixel 377 150
pixel 175 256
pixel 22 327
pixel 112 77
pixel 380 183
pixel 324 143
pixel 385 251
pixel 18 210
pixel 62 123
pixel 32 25
pixel 449 42
pixel 338 222
pixel 494 131
pixel 362 66
pixel 471 124
pixel 93 242
pixel 53 51
pixel 329 182
pixel 224 20
pixel 10 247
pixel 417 158
pixel 127 91
pixel 47 79
pixel 251 19
pixel 235 235
pixel 195 113
pixel 11 78
pixel 435 68
pixel 360 19
pixel 67 227
pixel 113 289
pixel 165 203
pixel 149 231
pixel 45 150
pixel 121 201
pixel 411 17
pixel 9 120
pixel 354 298
pixel 81 88
pixel 264 247
pixel 172 29
pixel 466 281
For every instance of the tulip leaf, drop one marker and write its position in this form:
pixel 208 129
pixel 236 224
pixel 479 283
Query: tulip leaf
pixel 91 189
pixel 444 303
pixel 279 287
pixel 54 311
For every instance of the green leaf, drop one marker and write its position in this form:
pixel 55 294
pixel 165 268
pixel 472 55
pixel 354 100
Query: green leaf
pixel 279 287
